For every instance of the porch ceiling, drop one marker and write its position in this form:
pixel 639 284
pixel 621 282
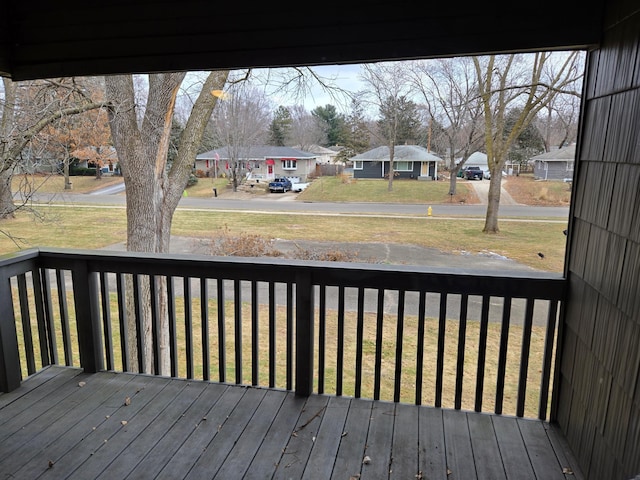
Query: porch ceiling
pixel 41 39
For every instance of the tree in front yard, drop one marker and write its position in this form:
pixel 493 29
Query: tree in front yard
pixel 26 109
pixel 528 82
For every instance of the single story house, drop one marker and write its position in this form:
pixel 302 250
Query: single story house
pixel 410 161
pixel 263 162
pixel 104 157
pixel 556 164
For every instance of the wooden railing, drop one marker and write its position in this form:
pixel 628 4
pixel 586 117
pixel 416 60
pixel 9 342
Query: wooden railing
pixel 465 340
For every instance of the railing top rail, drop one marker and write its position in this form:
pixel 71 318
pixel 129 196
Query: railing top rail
pixel 542 285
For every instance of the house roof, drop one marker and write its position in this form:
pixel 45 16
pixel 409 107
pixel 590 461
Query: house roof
pixel 477 158
pixel 557 155
pixel 259 152
pixel 413 153
pixel 317 149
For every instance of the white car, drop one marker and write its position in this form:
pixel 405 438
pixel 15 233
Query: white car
pixel 298 187
pixel 487 173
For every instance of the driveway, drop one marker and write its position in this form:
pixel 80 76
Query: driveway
pixel 482 189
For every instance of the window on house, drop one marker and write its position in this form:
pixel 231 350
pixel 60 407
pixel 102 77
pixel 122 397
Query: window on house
pixel 357 164
pixel 289 164
pixel 403 166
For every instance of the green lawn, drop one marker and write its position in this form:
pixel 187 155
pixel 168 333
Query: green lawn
pixel 347 189
pixel 97 227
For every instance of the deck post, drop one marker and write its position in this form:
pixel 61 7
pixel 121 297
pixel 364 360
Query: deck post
pixel 85 287
pixel 9 356
pixel 304 334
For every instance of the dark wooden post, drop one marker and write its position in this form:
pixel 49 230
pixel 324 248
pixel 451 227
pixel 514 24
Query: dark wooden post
pixel 9 356
pixel 304 334
pixel 85 288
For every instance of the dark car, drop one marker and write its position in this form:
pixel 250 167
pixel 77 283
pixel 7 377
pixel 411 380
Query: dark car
pixel 473 173
pixel 281 184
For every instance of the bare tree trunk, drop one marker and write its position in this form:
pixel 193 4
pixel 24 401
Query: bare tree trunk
pixel 493 204
pixel 153 193
pixel 452 182
pixel 7 207
pixel 65 166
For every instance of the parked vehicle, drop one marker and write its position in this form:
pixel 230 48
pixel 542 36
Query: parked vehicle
pixel 280 184
pixel 487 174
pixel 298 187
pixel 473 173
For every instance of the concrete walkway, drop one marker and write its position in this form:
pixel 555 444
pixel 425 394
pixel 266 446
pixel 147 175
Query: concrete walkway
pixel 482 189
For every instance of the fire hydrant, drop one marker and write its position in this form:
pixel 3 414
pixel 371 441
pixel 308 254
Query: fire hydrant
pixel 429 211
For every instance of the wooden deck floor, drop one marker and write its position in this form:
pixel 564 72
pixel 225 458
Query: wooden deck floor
pixel 62 423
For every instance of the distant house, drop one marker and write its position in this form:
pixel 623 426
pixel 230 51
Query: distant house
pixel 323 155
pixel 410 161
pixel 556 164
pixel 104 157
pixel 259 162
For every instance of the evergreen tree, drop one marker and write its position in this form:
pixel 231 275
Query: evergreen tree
pixel 280 127
pixel 332 123
pixel 528 144
pixel 399 118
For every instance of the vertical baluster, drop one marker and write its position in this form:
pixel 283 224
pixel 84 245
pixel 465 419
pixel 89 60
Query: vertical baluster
pixel 237 314
pixel 47 305
pixel 173 334
pixel 340 350
pixel 462 335
pixel 106 319
pixel 549 341
pixel 289 336
pixel 502 354
pixel 442 332
pixel 420 353
pixel 524 357
pixel 188 325
pixel 399 337
pixel 64 318
pixel 322 337
pixel 272 335
pixel 222 327
pixel 482 351
pixel 359 341
pixel 155 322
pixel 40 317
pixel 204 326
pixel 122 315
pixel 26 323
pixel 254 333
pixel 379 333
pixel 137 305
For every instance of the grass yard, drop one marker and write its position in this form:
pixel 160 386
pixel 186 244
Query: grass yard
pixel 528 191
pixel 97 227
pixel 347 189
pixel 55 183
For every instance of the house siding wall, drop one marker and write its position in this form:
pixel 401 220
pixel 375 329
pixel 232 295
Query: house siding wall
pixel 555 171
pixel 371 169
pixel 598 391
